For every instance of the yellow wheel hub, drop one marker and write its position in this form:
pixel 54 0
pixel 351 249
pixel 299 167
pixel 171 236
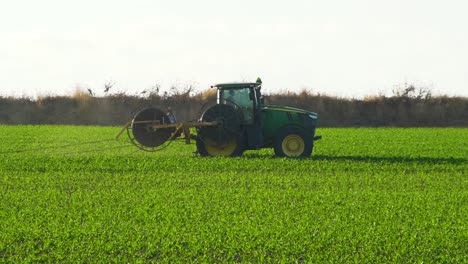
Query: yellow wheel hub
pixel 220 150
pixel 293 145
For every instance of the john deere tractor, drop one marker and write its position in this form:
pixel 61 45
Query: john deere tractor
pixel 245 123
pixel 238 121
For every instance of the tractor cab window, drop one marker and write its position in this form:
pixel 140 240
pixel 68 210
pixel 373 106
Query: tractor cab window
pixel 243 98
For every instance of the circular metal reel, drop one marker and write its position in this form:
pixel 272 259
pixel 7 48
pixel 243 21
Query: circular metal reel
pixel 144 135
pixel 230 120
pixel 225 139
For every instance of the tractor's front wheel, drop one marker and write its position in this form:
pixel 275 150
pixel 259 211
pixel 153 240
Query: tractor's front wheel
pixel 293 142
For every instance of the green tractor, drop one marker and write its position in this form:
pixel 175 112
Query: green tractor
pixel 238 121
pixel 247 124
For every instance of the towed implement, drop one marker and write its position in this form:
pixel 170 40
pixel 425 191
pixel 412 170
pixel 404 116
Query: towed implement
pixel 238 121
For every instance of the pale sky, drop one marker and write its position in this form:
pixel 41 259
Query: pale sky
pixel 348 48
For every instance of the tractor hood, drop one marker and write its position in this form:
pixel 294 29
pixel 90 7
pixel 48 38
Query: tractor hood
pixel 289 109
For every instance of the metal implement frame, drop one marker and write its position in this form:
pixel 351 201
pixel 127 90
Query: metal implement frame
pixel 183 126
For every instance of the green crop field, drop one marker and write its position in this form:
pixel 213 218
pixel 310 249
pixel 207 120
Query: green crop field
pixel 378 195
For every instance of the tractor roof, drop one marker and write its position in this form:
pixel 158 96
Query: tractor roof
pixel 227 86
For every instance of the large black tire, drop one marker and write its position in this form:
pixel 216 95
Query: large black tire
pixel 224 140
pixel 209 148
pixel 293 142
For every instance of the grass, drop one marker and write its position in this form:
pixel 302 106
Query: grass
pixel 366 195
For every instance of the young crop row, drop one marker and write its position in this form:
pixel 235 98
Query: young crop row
pixel 365 195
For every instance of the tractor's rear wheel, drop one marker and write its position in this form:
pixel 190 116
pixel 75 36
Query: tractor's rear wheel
pixel 232 147
pixel 227 138
pixel 293 142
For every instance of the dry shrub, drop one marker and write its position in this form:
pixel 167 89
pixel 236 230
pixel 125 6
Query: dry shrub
pixel 82 108
pixel 81 95
pixel 209 94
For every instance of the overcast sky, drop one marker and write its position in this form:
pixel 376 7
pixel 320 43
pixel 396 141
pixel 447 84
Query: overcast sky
pixel 348 48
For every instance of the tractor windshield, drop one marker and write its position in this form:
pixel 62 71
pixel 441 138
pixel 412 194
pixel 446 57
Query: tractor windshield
pixel 244 98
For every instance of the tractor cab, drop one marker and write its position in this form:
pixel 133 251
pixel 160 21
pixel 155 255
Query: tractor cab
pixel 245 96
